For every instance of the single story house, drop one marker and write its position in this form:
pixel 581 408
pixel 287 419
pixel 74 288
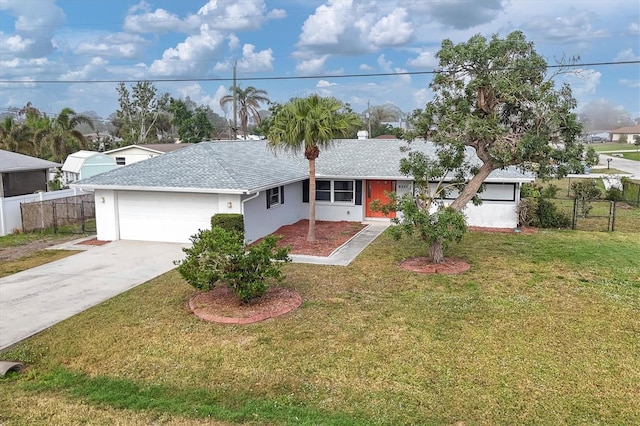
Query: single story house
pixel 133 153
pixel 21 176
pixel 171 197
pixel 630 133
pixel 84 164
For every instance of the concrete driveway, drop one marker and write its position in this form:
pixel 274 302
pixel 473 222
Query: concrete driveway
pixel 35 299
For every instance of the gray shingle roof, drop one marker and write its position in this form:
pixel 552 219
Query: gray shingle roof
pixel 249 166
pixel 380 158
pixel 226 166
pixel 14 162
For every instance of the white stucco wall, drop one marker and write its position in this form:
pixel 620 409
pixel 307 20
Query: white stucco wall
pixel 156 216
pixel 260 221
pixel 334 212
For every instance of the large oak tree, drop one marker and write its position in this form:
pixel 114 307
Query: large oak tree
pixel 497 96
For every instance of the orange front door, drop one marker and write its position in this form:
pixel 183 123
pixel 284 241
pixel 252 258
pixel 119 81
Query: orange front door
pixel 375 190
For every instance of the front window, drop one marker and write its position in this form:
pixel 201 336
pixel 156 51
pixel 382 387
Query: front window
pixel 275 196
pixel 335 191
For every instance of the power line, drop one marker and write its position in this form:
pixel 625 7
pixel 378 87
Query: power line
pixel 304 77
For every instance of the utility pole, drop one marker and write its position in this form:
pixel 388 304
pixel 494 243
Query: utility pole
pixel 235 106
pixel 369 118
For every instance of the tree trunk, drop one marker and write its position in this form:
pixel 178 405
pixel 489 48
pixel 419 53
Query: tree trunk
pixel 436 254
pixel 472 187
pixel 311 235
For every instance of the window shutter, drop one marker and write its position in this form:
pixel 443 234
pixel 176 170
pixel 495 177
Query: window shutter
pixel 268 196
pixel 305 191
pixel 282 195
pixel 358 193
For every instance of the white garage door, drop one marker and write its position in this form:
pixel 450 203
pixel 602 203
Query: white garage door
pixel 164 216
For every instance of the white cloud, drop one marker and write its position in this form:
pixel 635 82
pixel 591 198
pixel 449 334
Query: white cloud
pixel 251 61
pixel 158 21
pixel 325 83
pixel 234 42
pixel 633 84
pixel 425 59
pixel 391 30
pixel 86 72
pixel 583 81
pixel 384 64
pixel 311 66
pixel 115 45
pixel 574 25
pixel 626 55
pixel 191 57
pixel 231 15
pixel 35 26
pixel 365 67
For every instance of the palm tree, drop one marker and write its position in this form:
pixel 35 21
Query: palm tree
pixel 248 101
pixel 62 137
pixel 306 125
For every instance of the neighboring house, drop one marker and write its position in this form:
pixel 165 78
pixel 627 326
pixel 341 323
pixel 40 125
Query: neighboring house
pixel 171 197
pixel 21 176
pixel 84 164
pixel 630 132
pixel 133 153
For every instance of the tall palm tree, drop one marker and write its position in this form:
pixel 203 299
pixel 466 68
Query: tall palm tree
pixel 307 125
pixel 248 101
pixel 62 136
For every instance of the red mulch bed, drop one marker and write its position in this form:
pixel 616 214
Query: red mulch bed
pixel 329 235
pixel 93 242
pixel 221 305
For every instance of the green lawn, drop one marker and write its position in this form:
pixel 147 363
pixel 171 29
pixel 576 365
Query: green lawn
pixel 613 146
pixel 544 329
pixel 632 156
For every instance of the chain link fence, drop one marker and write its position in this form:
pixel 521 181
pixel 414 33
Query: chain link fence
pixel 70 215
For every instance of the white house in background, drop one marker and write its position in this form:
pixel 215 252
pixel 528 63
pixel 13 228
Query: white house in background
pixel 630 132
pixel 133 153
pixel 171 197
pixel 84 164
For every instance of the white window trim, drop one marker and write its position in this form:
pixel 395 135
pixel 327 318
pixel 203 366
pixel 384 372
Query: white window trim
pixel 333 192
pixel 278 203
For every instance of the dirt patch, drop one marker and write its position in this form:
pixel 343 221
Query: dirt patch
pixel 223 306
pixel 329 235
pixel 423 265
pixel 23 250
pixel 520 230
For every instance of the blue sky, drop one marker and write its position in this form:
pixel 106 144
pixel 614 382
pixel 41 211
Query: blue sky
pixel 92 40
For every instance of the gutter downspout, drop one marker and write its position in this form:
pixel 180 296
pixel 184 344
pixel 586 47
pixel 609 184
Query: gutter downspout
pixel 247 199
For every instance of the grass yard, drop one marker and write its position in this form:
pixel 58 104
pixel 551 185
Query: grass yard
pixel 22 251
pixel 632 156
pixel 613 146
pixel 544 329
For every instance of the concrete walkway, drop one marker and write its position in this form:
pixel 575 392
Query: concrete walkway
pixel 35 299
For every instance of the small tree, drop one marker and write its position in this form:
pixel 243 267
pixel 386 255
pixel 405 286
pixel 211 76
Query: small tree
pixel 585 191
pixel 218 256
pixel 424 212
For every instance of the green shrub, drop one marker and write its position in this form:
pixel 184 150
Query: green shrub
pixel 548 215
pixel 229 221
pixel 550 191
pixel 218 256
pixel 614 194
